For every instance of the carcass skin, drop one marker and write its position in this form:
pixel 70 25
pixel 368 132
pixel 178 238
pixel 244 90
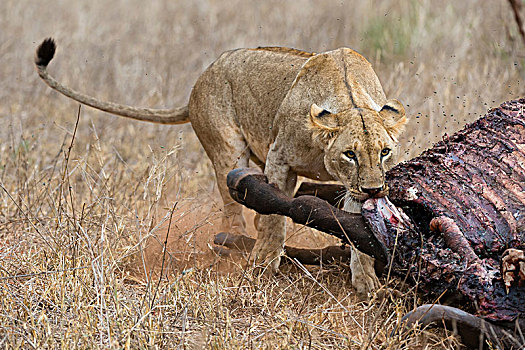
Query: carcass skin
pixel 464 201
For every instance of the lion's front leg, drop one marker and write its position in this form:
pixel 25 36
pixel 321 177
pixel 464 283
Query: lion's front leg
pixel 271 233
pixel 364 278
pixel 271 229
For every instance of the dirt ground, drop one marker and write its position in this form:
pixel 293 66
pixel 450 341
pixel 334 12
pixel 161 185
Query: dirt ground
pixel 190 238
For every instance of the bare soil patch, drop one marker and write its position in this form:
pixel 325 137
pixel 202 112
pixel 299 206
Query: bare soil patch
pixel 190 236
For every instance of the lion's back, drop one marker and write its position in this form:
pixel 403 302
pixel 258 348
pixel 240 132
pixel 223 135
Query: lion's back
pixel 251 84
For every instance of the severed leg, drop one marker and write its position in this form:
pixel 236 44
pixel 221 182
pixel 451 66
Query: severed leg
pixel 250 188
pixel 325 255
pixel 332 193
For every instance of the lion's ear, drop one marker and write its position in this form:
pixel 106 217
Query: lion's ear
pixel 393 114
pixel 323 123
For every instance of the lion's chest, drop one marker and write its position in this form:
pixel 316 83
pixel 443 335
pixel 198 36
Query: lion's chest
pixel 310 165
pixel 307 162
pixel 320 174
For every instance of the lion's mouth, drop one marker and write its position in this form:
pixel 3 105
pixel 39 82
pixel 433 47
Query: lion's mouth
pixel 357 195
pixel 354 199
pixel 361 196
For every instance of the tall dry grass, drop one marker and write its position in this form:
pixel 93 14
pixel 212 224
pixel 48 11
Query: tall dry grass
pixel 85 209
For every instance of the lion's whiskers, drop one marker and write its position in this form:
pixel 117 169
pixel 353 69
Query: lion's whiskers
pixel 350 204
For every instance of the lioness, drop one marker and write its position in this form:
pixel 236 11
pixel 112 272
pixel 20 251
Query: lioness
pixel 323 116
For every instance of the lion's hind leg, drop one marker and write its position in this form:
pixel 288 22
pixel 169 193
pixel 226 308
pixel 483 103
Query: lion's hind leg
pixel 213 119
pixel 235 155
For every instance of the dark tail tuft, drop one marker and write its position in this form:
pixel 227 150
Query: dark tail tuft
pixel 45 52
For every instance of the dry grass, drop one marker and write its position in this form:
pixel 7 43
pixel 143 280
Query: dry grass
pixel 84 211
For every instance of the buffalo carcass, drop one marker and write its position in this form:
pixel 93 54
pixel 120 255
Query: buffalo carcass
pixel 456 225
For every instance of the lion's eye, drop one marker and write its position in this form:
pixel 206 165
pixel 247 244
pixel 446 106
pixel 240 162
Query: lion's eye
pixel 385 152
pixel 350 154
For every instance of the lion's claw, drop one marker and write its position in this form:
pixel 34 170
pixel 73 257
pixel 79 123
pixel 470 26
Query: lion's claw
pixel 266 256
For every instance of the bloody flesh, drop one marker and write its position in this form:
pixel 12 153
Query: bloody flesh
pixel 477 179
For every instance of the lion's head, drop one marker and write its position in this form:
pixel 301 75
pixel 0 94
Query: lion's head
pixel 360 145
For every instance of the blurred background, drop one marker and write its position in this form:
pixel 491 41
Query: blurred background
pixel 447 61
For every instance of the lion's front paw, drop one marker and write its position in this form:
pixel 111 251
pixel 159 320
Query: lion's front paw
pixel 266 256
pixel 364 278
pixel 366 285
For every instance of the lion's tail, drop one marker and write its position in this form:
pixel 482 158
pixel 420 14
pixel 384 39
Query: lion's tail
pixel 45 53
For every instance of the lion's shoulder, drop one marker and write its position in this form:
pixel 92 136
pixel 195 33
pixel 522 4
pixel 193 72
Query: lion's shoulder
pixel 285 50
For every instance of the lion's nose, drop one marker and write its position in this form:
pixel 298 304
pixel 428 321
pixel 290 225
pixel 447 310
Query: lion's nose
pixel 371 191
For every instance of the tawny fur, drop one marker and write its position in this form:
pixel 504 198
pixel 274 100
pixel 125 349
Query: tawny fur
pixel 293 112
